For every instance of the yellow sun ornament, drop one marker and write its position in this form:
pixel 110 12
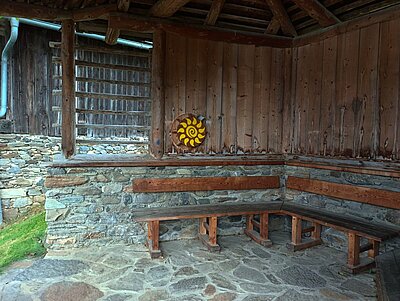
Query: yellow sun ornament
pixel 191 131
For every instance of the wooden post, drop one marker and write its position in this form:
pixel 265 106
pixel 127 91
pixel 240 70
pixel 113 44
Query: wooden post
pixel 353 256
pixel 264 217
pixel 374 251
pixel 68 88
pixel 249 223
pixel 212 233
pixel 158 95
pixel 316 233
pixel 153 233
pixel 202 228
pixel 296 230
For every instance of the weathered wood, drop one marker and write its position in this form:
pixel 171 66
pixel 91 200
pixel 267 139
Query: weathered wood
pixel 129 23
pixel 106 96
pixel 279 12
pixel 112 34
pixel 204 183
pixel 203 211
pixel 273 26
pixel 353 253
pixel 158 95
pixel 388 275
pixel 68 88
pixel 214 12
pixel 317 11
pixel 296 230
pixel 107 66
pixel 153 234
pixel 23 10
pixel 166 8
pixel 373 196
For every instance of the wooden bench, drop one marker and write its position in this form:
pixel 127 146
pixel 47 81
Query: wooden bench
pixel 208 216
pixel 355 228
pixel 388 276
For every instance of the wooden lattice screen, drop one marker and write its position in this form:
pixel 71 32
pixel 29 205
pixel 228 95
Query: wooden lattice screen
pixel 113 101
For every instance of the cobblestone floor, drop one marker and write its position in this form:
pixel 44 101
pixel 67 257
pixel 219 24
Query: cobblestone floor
pixel 243 271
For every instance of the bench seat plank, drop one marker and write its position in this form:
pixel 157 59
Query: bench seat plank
pixel 341 222
pixel 200 211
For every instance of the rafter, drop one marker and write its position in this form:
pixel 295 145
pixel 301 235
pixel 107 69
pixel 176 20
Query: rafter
pixel 273 26
pixel 112 34
pixel 166 8
pixel 318 12
pixel 214 12
pixel 280 13
pixel 23 10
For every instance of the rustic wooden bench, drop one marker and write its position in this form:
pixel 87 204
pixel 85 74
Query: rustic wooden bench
pixel 208 216
pixel 355 228
pixel 388 276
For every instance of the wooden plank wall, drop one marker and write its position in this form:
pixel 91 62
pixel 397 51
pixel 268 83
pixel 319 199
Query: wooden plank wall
pixel 239 89
pixel 345 96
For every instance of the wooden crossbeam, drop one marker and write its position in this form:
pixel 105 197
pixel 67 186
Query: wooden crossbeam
pixel 273 26
pixel 112 34
pixel 318 12
pixel 124 21
pixel 280 13
pixel 68 128
pixel 17 9
pixel 166 8
pixel 214 12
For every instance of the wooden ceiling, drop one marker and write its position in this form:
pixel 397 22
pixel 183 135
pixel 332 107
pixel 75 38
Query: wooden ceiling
pixel 278 18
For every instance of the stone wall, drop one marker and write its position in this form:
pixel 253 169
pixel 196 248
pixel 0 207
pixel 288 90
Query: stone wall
pixel 366 211
pixel 93 205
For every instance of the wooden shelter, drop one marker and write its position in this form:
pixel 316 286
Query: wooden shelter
pixel 304 94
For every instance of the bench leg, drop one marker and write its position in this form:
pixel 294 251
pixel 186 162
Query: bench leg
pixel 208 233
pixel 260 237
pixel 297 243
pixel 153 233
pixel 353 256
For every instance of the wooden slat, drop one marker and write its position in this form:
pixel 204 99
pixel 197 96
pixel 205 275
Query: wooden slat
pixel 166 8
pixel 287 106
pixel 158 95
pixel 106 96
pixel 202 211
pixel 317 11
pixel 373 196
pixel 68 92
pixel 279 12
pixel 204 183
pixel 106 66
pixel 214 12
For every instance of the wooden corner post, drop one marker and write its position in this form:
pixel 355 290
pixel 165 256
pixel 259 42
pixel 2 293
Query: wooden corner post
pixel 158 95
pixel 68 88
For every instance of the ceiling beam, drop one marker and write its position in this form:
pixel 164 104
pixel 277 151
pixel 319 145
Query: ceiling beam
pixel 214 12
pixel 127 22
pixel 318 12
pixel 166 8
pixel 30 11
pixel 112 34
pixel 280 13
pixel 273 26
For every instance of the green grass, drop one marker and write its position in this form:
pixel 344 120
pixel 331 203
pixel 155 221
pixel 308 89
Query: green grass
pixel 22 239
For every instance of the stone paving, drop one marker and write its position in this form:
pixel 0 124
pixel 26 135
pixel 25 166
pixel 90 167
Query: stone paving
pixel 242 271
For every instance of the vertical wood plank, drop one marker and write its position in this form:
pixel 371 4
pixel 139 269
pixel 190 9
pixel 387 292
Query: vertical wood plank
pixel 346 91
pixel 158 95
pixel 229 95
pixel 366 107
pixel 296 230
pixel 202 228
pixel 328 97
pixel 68 88
pixel 214 96
pixel 353 255
pixel 372 253
pixel 264 219
pixel 389 79
pixel 261 95
pixel 245 83
pixel 293 103
pixel 212 233
pixel 249 222
pixel 275 101
pixel 301 99
pixel 287 110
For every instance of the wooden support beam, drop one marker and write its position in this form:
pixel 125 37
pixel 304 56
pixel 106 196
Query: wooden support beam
pixel 374 250
pixel 296 230
pixel 214 12
pixel 273 26
pixel 126 22
pixel 30 11
pixel 279 12
pixel 93 13
pixel 318 12
pixel 68 88
pixel 353 255
pixel 204 183
pixel 158 95
pixel 166 8
pixel 112 34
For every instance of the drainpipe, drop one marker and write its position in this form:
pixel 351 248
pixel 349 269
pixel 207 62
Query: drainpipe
pixel 4 70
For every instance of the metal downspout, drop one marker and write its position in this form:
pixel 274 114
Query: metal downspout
pixel 4 78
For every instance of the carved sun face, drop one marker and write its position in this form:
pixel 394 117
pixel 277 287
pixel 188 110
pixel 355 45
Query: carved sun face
pixel 191 132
